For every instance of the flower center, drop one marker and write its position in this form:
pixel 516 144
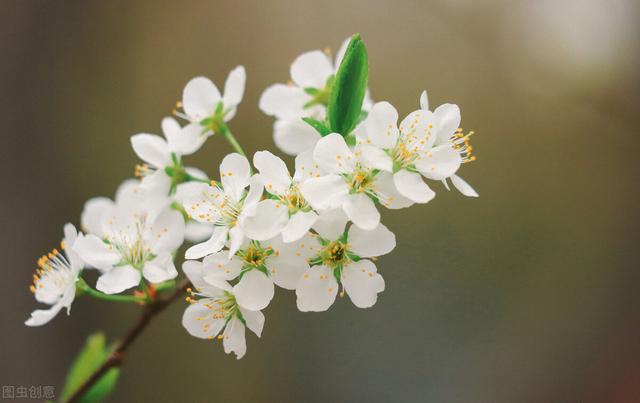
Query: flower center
pixel 294 199
pixel 362 180
pixel 223 307
pixel 462 144
pixel 223 207
pixel 254 255
pixel 130 242
pixel 334 255
pixel 54 273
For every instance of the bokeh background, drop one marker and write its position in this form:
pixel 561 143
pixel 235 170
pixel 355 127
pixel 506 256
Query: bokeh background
pixel 527 294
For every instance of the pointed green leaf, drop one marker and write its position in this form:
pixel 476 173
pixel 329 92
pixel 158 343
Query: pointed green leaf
pixel 319 126
pixel 93 354
pixel 349 88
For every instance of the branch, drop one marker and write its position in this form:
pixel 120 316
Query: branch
pixel 117 356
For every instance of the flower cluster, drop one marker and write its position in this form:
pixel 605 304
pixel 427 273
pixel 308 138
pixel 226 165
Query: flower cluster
pixel 258 225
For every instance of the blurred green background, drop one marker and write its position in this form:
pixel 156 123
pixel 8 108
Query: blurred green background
pixel 527 294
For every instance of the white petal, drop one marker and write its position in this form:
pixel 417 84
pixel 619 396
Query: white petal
pixel 70 237
pixel 40 317
pixel 236 238
pixel 219 267
pixel 374 157
pixel 439 163
pixel 283 101
pixel 333 155
pixel 447 118
pixel 294 135
pixel 387 193
pixel 213 245
pixel 418 132
pixel 234 338
pixel 158 182
pixel 94 209
pixel 361 210
pixel 253 197
pixel 305 167
pixel 234 87
pixel 446 184
pixel 286 271
pixel 167 232
pixel 270 218
pixel 197 232
pixel 311 69
pixel 377 242
pixel 254 320
pixel 362 283
pixel 424 101
pixel 298 225
pixel 193 269
pixel 95 252
pixel 463 186
pixel 382 125
pixel 411 186
pixel 330 224
pixel 316 289
pixel 186 140
pixel 254 291
pixel 160 269
pixel 200 98
pixel 273 171
pixel 118 279
pixel 199 322
pixel 152 149
pixel 325 192
pixel 234 174
pixel 201 201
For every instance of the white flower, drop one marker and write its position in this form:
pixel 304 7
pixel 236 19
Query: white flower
pixel 307 94
pixel 279 183
pixel 217 308
pixel 132 237
pixel 235 212
pixel 426 143
pixel 203 105
pixel 55 280
pixel 353 181
pixel 341 258
pixel 163 155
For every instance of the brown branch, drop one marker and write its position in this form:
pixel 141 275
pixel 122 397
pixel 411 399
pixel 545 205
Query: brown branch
pixel 117 356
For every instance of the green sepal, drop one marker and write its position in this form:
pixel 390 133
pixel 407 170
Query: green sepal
pixel 349 88
pixel 320 127
pixel 92 355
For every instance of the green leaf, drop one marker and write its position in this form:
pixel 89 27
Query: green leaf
pixel 350 85
pixel 93 354
pixel 319 126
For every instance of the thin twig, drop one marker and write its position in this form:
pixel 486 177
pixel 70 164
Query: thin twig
pixel 117 356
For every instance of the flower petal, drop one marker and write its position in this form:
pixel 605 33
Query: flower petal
pixel 95 252
pixel 311 69
pixel 234 87
pixel 152 149
pixel 273 171
pixel 439 163
pixel 294 135
pixel 374 158
pixel 298 225
pixel 195 232
pixel 234 175
pixel 40 317
pixel 377 242
pixel 118 279
pixel 286 272
pixel 218 266
pixel 447 120
pixel 92 212
pixel 199 322
pixel 236 238
pixel 361 210
pixel 387 193
pixel 193 269
pixel 418 131
pixel 382 125
pixel 254 291
pixel 269 219
pixel 331 223
pixel 183 141
pixel 333 155
pixel 325 192
pixel 362 283
pixel 305 167
pixel 234 338
pixel 254 320
pixel 463 186
pixel 160 269
pixel 200 98
pixel 213 245
pixel 411 186
pixel 316 289
pixel 283 101
pixel 424 101
pixel 167 232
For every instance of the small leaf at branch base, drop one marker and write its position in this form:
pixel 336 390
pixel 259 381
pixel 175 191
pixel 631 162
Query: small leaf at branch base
pixel 349 88
pixel 93 354
pixel 319 126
